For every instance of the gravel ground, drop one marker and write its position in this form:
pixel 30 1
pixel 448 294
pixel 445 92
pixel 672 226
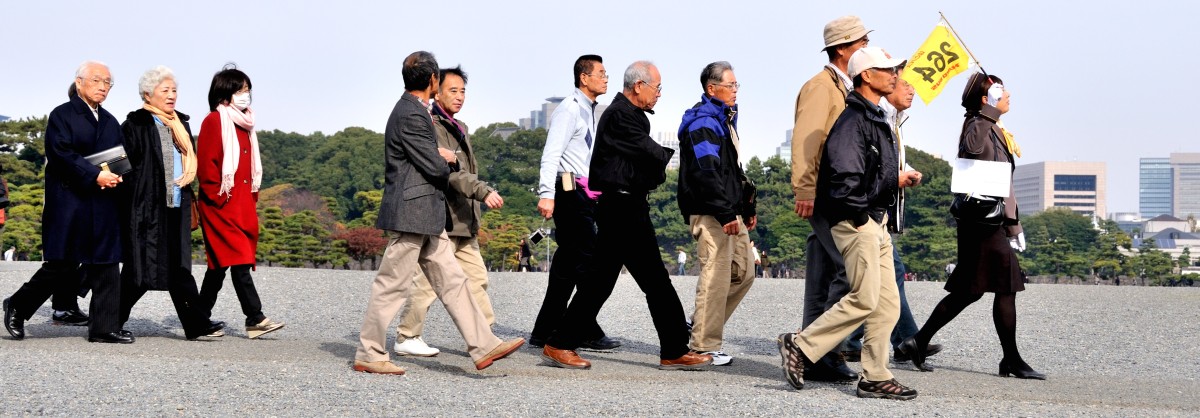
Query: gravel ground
pixel 1108 351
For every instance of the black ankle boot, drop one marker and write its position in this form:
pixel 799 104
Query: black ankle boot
pixel 1019 369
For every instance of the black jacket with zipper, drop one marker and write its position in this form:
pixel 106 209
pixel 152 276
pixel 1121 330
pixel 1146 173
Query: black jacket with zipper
pixel 859 169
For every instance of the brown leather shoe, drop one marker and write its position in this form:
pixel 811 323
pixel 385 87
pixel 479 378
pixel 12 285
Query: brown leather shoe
pixel 503 350
pixel 567 359
pixel 377 367
pixel 690 361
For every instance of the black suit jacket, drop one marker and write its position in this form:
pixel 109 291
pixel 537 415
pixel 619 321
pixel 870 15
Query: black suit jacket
pixel 624 156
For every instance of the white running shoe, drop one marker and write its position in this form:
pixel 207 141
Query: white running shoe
pixel 414 347
pixel 719 358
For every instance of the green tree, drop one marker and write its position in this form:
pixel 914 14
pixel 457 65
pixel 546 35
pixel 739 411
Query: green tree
pixel 929 241
pixel 511 165
pixel 271 234
pixel 500 235
pixel 1185 258
pixel 23 226
pixel 23 150
pixel 305 241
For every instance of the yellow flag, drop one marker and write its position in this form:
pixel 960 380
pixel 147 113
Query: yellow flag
pixel 938 60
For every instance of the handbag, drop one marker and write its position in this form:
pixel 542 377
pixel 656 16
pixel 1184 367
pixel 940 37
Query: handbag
pixel 195 215
pixel 977 209
pixel 113 160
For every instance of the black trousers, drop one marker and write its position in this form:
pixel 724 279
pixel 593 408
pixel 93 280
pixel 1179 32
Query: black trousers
pixel 825 281
pixel 576 236
pixel 626 237
pixel 66 296
pixel 243 285
pixel 104 280
pixel 193 314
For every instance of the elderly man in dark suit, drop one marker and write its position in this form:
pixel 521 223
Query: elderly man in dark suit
pixel 413 213
pixel 79 219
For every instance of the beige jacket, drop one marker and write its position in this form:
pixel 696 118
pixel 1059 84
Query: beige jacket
pixel 820 102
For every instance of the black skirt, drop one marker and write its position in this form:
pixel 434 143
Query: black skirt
pixel 986 262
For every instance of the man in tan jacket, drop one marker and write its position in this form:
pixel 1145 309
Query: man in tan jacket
pixel 821 100
pixel 466 191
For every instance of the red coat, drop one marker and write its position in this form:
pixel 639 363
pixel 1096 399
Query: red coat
pixel 229 222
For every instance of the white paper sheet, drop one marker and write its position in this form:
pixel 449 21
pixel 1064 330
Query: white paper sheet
pixel 988 178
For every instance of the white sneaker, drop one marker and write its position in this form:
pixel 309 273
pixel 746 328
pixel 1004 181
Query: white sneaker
pixel 719 358
pixel 414 347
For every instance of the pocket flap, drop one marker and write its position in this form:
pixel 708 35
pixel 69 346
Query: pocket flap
pixel 418 191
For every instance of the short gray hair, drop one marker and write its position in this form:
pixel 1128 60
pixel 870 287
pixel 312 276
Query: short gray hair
pixel 152 78
pixel 638 71
pixel 713 73
pixel 83 68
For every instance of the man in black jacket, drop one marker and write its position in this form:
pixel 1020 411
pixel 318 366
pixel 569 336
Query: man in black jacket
pixel 626 166
pixel 857 185
pixel 717 201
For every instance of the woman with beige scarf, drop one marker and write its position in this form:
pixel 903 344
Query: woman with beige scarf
pixel 156 205
pixel 229 171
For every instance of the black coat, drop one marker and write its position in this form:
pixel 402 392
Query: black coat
pixel 624 156
pixel 859 170
pixel 79 220
pixel 144 221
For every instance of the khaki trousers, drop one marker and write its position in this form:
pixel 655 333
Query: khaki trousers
pixel 873 299
pixel 405 255
pixel 421 296
pixel 726 273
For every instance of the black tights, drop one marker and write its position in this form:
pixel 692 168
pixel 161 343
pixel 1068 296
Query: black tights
pixel 1004 315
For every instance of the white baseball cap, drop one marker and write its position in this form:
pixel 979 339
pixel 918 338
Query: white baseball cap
pixel 872 57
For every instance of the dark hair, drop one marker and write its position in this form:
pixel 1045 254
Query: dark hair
pixel 72 91
pixel 225 83
pixel 832 53
pixel 457 70
pixel 976 90
pixel 419 67
pixel 858 81
pixel 713 73
pixel 584 65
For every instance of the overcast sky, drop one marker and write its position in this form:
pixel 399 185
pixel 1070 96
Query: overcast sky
pixel 1089 82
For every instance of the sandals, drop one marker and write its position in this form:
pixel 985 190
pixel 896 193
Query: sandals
pixel 887 389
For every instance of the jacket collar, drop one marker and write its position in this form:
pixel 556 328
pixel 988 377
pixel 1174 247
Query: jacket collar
pixel 142 115
pixel 990 112
pixel 871 110
pixel 621 98
pixel 441 116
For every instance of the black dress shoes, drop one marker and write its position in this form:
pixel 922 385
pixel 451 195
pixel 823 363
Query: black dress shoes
pixel 600 344
pixel 831 368
pixel 73 317
pixel 13 321
pixel 930 350
pixel 1019 369
pixel 213 328
pixel 915 353
pixel 112 338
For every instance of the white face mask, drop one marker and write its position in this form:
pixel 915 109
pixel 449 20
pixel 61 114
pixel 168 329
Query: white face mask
pixel 995 93
pixel 241 101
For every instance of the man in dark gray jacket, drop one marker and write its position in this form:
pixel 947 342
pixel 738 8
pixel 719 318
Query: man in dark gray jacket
pixel 465 193
pixel 413 213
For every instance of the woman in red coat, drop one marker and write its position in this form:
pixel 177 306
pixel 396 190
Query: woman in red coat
pixel 230 171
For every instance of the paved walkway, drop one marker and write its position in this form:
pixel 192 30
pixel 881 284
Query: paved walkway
pixel 1109 351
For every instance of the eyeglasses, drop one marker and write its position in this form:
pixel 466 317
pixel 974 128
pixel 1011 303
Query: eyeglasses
pixel 890 70
pixel 97 80
pixel 603 76
pixel 732 86
pixel 647 83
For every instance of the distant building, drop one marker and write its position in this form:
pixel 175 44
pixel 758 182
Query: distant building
pixel 1155 187
pixel 541 118
pixel 1185 179
pixel 1127 221
pixel 1079 186
pixel 1171 235
pixel 505 132
pixel 4 118
pixel 670 140
pixel 784 150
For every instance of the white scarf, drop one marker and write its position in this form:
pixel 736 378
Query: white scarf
pixel 230 147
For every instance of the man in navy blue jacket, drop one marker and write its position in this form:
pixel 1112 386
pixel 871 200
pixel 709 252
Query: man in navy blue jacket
pixel 717 201
pixel 79 219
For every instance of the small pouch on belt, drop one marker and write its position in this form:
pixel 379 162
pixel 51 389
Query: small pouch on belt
pixel 568 181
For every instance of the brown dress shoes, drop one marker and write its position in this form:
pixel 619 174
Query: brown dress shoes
pixel 501 351
pixel 378 367
pixel 690 361
pixel 567 359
